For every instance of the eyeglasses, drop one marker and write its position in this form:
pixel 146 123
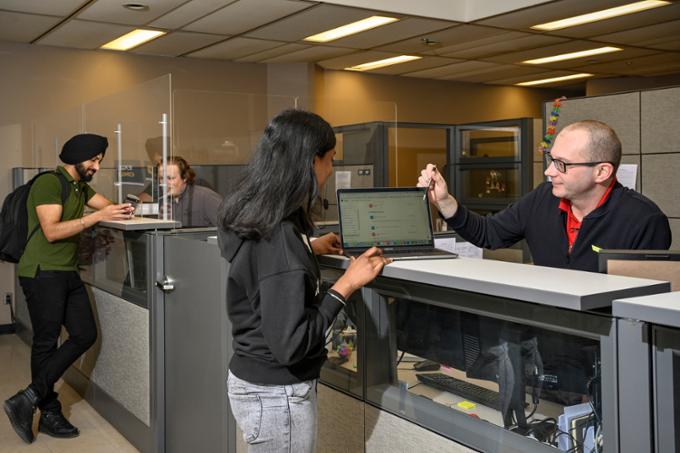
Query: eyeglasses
pixel 561 166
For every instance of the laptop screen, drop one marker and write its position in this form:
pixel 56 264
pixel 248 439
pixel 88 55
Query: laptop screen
pixel 386 217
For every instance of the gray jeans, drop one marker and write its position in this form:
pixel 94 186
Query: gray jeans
pixel 275 418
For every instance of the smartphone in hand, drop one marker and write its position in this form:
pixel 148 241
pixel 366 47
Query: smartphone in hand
pixel 133 200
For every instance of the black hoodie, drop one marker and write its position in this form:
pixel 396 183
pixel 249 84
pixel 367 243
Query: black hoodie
pixel 279 319
pixel 626 220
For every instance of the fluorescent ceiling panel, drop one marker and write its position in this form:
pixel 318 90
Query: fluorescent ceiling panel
pixel 369 66
pixel 574 55
pixel 554 80
pixel 351 29
pixel 133 39
pixel 604 14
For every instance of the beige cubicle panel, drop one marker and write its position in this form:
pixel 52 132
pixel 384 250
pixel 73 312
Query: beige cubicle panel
pixel 657 270
pixel 619 111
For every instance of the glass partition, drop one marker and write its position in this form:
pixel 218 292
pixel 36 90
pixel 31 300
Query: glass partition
pixel 133 122
pixel 48 135
pixel 215 127
pixel 527 372
pixel 487 142
pixel 411 147
pixel 361 158
pixel 116 261
pixel 217 132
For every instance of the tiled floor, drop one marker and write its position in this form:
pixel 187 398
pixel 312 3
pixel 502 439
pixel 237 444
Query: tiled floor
pixel 96 434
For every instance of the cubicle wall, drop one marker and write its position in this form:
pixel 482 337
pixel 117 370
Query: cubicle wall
pixel 647 123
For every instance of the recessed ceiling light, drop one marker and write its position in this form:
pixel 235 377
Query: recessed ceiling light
pixel 574 55
pixel 133 39
pixel 350 29
pixel 554 79
pixel 601 15
pixel 382 63
pixel 136 6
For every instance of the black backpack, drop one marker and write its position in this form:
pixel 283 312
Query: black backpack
pixel 14 218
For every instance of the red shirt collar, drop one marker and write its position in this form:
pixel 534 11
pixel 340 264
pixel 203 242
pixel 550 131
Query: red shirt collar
pixel 573 224
pixel 565 205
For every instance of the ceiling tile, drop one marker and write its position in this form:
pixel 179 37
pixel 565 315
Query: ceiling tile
pixel 311 21
pixel 498 72
pixel 18 27
pixel 189 12
pixel 439 72
pixel 177 43
pixel 272 53
pixel 508 43
pixel 395 31
pixel 113 11
pixel 652 65
pixel 235 48
pixel 665 44
pixel 660 36
pixel 462 36
pixel 82 34
pixel 245 15
pixel 60 8
pixel 311 54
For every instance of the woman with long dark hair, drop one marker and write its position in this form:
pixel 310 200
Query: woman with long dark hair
pixel 278 313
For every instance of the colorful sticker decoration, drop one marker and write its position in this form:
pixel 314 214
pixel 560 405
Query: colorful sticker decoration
pixel 552 125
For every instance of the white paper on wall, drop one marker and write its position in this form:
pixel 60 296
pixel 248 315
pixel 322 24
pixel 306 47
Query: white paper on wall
pixel 627 175
pixel 343 179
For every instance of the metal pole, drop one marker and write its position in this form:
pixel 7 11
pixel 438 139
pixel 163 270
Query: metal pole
pixel 163 184
pixel 119 140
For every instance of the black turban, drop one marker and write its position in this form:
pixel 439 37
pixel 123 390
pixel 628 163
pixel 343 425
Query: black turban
pixel 82 147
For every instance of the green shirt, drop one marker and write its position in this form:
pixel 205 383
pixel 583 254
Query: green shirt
pixel 59 255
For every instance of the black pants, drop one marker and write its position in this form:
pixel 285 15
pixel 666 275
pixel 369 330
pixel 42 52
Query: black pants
pixel 56 298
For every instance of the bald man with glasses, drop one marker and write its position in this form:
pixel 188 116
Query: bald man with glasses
pixel 582 209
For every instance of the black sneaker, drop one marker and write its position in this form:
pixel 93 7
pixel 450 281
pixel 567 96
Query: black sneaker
pixel 20 409
pixel 54 423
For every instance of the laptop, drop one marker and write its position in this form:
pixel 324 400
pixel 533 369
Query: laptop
pixel 395 219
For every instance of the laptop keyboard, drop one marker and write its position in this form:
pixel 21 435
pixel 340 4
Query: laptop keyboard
pixel 419 253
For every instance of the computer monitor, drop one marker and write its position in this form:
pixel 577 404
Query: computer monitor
pixel 431 332
pixel 654 264
pixel 559 365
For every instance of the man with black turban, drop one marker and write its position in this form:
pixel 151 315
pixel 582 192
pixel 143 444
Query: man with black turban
pixel 49 277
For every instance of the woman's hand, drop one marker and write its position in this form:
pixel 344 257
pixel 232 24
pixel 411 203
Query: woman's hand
pixel 328 244
pixel 361 271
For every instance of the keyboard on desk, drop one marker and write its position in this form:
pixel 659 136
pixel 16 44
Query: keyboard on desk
pixel 461 388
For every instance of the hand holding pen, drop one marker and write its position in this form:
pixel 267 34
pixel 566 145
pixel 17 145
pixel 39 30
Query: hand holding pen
pixel 431 183
pixel 434 182
pixel 427 180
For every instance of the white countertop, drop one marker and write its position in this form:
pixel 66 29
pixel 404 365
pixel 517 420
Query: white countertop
pixel 576 290
pixel 139 223
pixel 663 309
